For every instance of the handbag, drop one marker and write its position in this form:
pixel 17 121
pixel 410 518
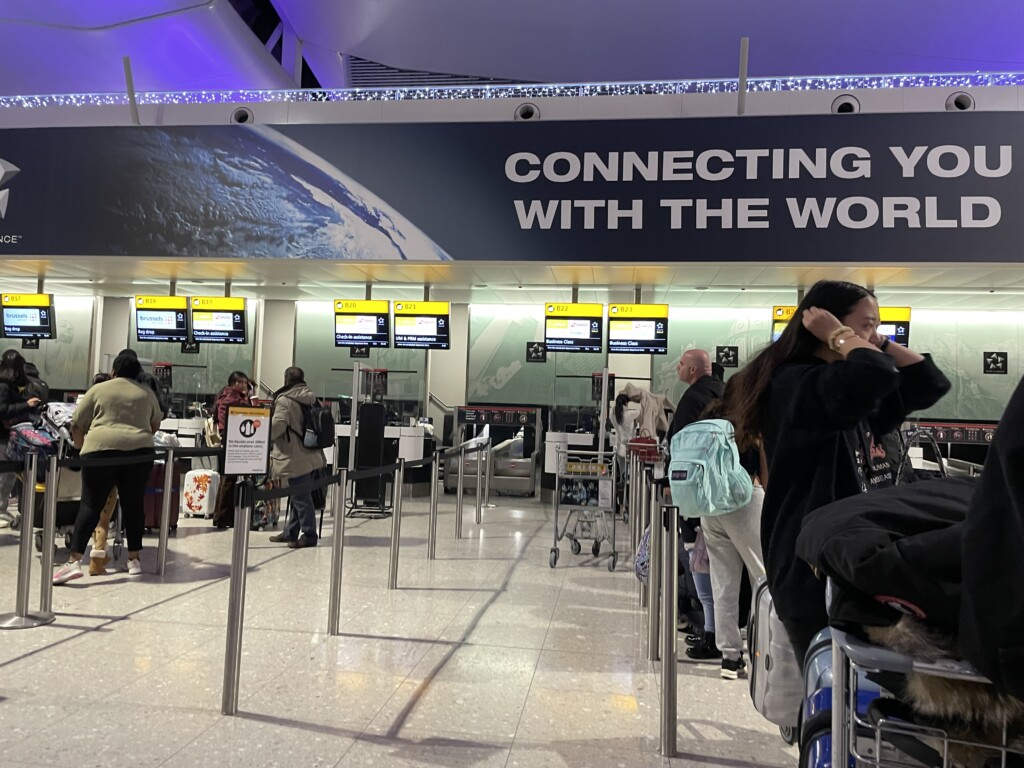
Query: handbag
pixel 644 446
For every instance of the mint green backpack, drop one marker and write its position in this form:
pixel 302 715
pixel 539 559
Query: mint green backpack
pixel 705 473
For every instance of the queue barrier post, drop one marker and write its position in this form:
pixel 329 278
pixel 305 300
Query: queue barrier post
pixel 432 520
pixel 652 590
pixel 165 512
pixel 668 521
pixel 49 531
pixel 236 600
pixel 478 514
pixel 23 618
pixel 337 552
pixel 459 491
pixel 489 474
pixel 396 526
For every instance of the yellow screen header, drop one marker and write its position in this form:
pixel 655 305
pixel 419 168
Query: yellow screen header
pixel 360 307
pixel 783 314
pixel 218 303
pixel 26 299
pixel 643 311
pixel 422 307
pixel 885 314
pixel 161 302
pixel 573 310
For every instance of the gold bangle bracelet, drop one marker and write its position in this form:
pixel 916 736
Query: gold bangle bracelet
pixel 834 336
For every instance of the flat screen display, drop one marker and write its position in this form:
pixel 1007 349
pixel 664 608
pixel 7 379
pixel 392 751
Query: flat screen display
pixel 28 315
pixel 638 328
pixel 361 323
pixel 893 322
pixel 161 318
pixel 422 324
pixel 573 327
pixel 218 320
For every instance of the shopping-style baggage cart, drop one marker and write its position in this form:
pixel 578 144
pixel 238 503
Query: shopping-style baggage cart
pixel 585 502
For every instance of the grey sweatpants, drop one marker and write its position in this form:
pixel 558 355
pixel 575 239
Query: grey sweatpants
pixel 733 540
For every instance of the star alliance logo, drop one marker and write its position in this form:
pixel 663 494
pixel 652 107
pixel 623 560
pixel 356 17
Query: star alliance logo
pixel 7 172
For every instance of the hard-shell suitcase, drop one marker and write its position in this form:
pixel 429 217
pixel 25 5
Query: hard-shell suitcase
pixel 199 493
pixel 776 677
pixel 153 500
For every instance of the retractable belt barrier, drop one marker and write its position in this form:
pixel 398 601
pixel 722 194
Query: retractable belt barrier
pixel 23 618
pixel 667 519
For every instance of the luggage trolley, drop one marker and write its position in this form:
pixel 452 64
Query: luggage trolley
pixel 886 737
pixel 585 487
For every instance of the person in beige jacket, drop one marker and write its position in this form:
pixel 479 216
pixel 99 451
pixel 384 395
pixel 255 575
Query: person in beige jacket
pixel 290 461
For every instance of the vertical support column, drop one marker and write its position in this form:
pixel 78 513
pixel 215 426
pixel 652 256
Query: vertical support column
pixel 236 601
pixel 337 552
pixel 396 527
pixel 459 490
pixel 165 512
pixel 480 456
pixel 669 672
pixel 439 457
pixel 354 418
pixel 653 588
pixel 49 531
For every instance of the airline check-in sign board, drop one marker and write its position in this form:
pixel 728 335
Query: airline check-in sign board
pixel 638 328
pixel 27 315
pixel 573 327
pixel 218 319
pixel 362 323
pixel 247 441
pixel 161 318
pixel 894 322
pixel 422 324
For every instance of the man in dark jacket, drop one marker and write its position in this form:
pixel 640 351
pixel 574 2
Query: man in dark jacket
pixel 694 368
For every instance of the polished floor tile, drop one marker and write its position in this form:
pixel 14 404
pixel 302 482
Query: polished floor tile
pixel 485 656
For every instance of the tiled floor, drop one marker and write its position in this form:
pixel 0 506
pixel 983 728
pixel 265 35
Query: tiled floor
pixel 483 657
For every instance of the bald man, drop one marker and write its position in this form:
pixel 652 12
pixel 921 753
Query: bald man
pixel 694 368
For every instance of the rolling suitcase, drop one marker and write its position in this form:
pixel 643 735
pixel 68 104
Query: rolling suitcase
pixel 153 500
pixel 776 677
pixel 199 493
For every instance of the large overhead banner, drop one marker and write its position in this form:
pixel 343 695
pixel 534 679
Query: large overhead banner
pixel 845 188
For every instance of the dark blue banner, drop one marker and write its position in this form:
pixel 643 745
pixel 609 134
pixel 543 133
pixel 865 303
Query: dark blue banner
pixel 848 188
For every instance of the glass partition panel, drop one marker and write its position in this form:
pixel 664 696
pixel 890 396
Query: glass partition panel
pixel 63 361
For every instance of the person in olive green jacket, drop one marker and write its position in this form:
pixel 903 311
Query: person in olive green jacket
pixel 291 461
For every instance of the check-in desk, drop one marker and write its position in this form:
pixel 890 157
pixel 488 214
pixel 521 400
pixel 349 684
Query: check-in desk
pixel 553 443
pixel 409 443
pixel 188 431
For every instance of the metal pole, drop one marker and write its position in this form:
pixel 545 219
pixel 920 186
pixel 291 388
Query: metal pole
pixel 337 553
pixel 646 513
pixel 49 531
pixel 741 91
pixel 236 601
pixel 353 417
pixel 396 526
pixel 602 415
pixel 165 512
pixel 432 520
pixel 635 518
pixel 653 589
pixel 22 618
pixel 840 674
pixel 478 514
pixel 670 555
pixel 489 475
pixel 459 490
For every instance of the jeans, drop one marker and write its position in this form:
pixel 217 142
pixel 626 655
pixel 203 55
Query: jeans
pixel 97 482
pixel 301 512
pixel 733 541
pixel 703 582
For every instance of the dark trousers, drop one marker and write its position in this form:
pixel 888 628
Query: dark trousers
pixel 224 511
pixel 97 482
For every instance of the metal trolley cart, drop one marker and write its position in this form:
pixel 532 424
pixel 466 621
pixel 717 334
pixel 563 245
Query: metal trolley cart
pixel 585 492
pixel 883 738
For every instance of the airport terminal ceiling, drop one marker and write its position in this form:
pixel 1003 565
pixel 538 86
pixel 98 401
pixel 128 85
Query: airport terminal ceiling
pixel 66 46
pixel 976 286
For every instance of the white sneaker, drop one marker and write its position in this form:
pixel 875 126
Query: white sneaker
pixel 135 567
pixel 70 571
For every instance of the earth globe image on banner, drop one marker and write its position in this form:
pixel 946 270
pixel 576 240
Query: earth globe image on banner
pixel 241 193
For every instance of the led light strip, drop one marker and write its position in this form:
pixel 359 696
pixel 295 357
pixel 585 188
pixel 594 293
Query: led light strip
pixel 585 90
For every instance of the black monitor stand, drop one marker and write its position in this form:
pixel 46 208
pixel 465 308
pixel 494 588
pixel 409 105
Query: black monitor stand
pixel 369 493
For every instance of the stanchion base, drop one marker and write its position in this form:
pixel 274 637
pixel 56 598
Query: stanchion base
pixel 490 506
pixel 33 619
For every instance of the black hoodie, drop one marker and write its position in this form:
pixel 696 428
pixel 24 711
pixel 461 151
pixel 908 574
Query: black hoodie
pixel 814 416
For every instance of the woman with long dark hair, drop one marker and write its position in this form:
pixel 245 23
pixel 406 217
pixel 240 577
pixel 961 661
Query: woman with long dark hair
pixel 16 405
pixel 818 398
